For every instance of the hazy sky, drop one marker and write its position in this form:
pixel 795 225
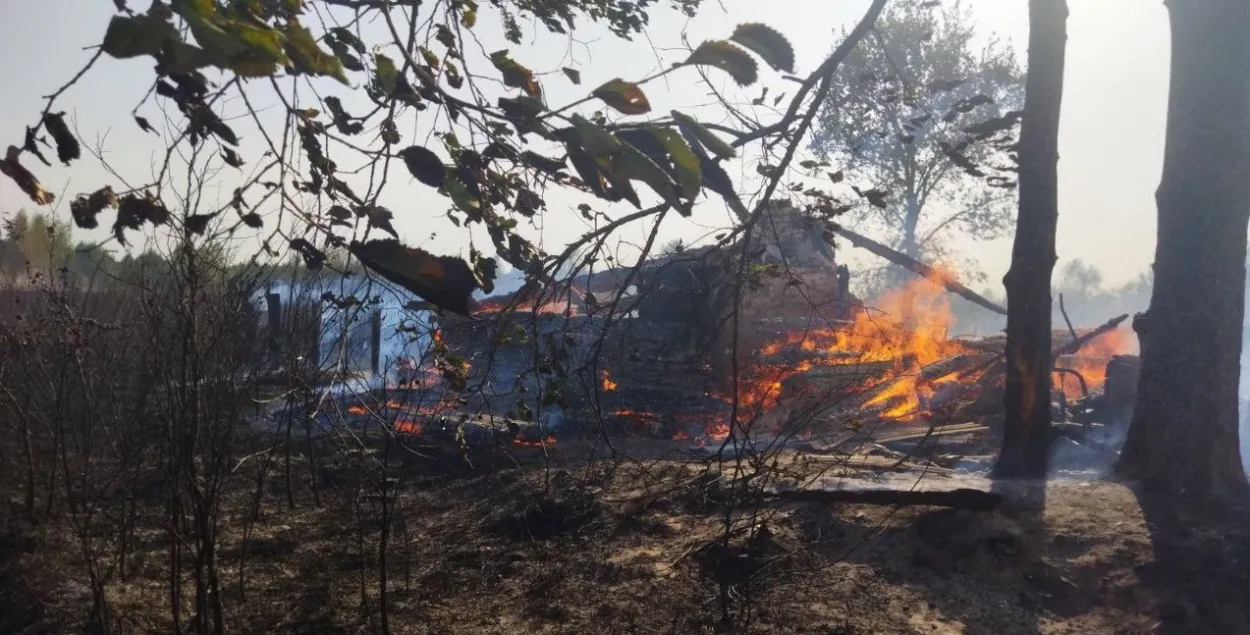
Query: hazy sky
pixel 1111 138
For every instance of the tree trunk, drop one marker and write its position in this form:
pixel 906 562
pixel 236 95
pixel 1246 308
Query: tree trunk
pixel 1027 400
pixel 1183 437
pixel 910 225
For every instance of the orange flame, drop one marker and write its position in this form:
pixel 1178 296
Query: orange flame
pixel 907 330
pixel 1091 361
pixel 608 384
pixel 522 443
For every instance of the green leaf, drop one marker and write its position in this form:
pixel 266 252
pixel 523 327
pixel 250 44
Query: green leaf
pixel 445 281
pixel 573 74
pixel 515 75
pixel 247 48
pixel 384 74
pixel 429 56
pixel 765 41
pixel 727 57
pixel 624 96
pixel 594 139
pixel 307 58
pixel 685 164
pixel 706 137
pixel 632 164
pixel 463 199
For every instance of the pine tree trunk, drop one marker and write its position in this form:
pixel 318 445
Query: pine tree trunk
pixel 1027 400
pixel 1184 432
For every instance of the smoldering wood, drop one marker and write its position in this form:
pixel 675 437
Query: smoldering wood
pixel 919 268
pixel 1075 345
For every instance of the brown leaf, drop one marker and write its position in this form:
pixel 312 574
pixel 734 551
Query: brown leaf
pixel 446 281
pixel 573 74
pixel 144 125
pixel 231 158
pixel 13 169
pixel 379 217
pixel 624 96
pixel 67 148
pixel 31 145
pixel 515 75
pixel 198 223
pixel 86 207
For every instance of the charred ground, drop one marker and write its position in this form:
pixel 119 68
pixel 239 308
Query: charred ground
pixel 545 542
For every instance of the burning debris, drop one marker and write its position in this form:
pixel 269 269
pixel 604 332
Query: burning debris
pixel 816 367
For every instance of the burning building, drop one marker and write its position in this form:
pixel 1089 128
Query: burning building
pixel 650 352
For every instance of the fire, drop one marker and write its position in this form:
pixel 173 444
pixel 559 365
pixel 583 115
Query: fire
pixel 1091 361
pixel 553 307
pixel 608 384
pixel 522 443
pixel 907 331
pixel 408 426
pixel 717 432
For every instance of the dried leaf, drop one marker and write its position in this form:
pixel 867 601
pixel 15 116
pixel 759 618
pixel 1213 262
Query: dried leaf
pixel 765 41
pixel 389 132
pixel 445 281
pixel 515 75
pixel 13 169
pixel 379 217
pixel 624 96
pixel 836 177
pixel 313 258
pixel 727 57
pixel 132 212
pixel 253 220
pixel 67 148
pixel 86 207
pixel 424 165
pixel 445 37
pixel 31 145
pixel 231 158
pixel 145 126
pixel 573 74
pixel 198 223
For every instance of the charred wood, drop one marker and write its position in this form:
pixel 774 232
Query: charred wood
pixel 964 498
pixel 919 268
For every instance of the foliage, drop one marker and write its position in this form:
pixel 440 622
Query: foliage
pixel 489 176
pixel 917 111
pixel 38 241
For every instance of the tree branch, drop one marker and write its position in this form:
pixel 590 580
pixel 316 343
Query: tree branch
pixel 825 71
